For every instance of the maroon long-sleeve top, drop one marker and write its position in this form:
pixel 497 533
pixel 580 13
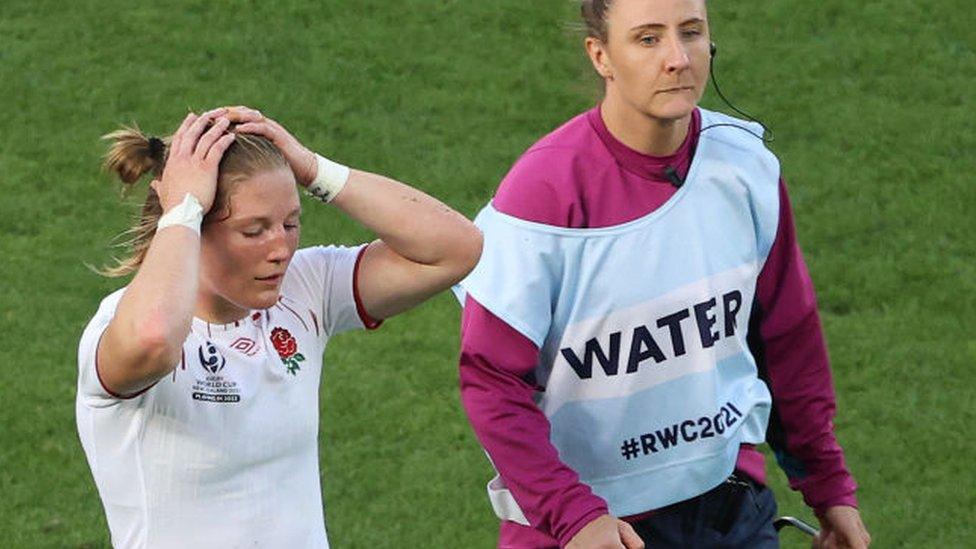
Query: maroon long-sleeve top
pixel 497 362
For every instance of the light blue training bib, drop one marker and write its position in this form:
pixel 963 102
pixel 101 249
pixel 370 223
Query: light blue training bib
pixel 650 386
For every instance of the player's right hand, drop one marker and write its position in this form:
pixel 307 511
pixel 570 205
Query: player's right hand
pixel 194 155
pixel 606 532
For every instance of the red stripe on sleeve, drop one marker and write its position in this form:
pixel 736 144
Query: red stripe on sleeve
pixel 369 322
pixel 105 387
pixel 315 320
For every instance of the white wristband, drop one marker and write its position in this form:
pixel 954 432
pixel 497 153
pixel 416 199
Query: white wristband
pixel 330 178
pixel 188 213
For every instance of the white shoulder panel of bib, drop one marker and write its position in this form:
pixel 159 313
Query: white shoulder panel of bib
pixel 518 276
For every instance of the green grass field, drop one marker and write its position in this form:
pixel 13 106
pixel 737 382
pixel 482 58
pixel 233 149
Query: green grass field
pixel 873 111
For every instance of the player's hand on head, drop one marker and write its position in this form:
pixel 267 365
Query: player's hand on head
pixel 300 158
pixel 841 528
pixel 194 156
pixel 606 532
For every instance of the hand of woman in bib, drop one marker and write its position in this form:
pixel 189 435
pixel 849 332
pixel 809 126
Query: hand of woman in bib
pixel 841 528
pixel 606 532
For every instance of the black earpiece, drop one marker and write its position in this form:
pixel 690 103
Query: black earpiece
pixel 768 135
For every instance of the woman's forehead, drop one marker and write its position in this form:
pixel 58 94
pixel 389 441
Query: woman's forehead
pixel 267 194
pixel 631 13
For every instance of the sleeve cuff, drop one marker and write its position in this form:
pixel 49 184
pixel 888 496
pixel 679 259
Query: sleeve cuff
pixel 828 492
pixel 588 517
pixel 842 501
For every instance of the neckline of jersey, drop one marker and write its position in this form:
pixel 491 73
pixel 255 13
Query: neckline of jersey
pixel 253 316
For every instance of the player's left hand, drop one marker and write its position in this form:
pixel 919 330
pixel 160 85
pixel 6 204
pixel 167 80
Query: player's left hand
pixel 841 528
pixel 300 158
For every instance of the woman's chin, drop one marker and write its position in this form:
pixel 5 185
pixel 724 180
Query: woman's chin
pixel 262 300
pixel 676 109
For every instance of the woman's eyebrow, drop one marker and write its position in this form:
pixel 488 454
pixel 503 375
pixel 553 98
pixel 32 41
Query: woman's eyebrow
pixel 264 218
pixel 658 26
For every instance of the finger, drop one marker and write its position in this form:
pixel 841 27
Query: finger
pixel 193 133
pixel 277 126
pixel 854 540
pixel 628 536
pixel 275 132
pixel 190 137
pixel 215 112
pixel 177 137
pixel 258 128
pixel 243 108
pixel 216 152
pixel 210 137
pixel 241 114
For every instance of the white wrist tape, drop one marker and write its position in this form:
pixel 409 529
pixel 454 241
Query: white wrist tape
pixel 330 178
pixel 188 213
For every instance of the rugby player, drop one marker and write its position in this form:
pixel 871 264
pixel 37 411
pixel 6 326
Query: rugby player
pixel 198 383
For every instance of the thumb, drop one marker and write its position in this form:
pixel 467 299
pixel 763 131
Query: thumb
pixel 628 536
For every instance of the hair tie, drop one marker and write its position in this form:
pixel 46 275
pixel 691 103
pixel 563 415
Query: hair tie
pixel 156 148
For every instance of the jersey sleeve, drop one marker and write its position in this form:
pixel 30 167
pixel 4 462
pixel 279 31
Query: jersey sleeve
pixel 496 366
pixel 792 356
pixel 325 278
pixel 91 391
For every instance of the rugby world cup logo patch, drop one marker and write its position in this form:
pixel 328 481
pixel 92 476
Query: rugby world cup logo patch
pixel 287 349
pixel 211 360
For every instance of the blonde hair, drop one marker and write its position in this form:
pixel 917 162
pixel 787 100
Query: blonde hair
pixel 132 154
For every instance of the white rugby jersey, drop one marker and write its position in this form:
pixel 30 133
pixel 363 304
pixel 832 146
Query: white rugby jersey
pixel 224 451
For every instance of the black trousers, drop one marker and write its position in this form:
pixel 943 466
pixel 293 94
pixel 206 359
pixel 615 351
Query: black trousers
pixel 738 513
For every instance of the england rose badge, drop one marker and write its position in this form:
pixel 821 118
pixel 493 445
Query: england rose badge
pixel 287 349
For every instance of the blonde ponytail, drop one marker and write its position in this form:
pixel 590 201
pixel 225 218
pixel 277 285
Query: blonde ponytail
pixel 131 155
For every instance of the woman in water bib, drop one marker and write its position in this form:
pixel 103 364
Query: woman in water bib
pixel 642 317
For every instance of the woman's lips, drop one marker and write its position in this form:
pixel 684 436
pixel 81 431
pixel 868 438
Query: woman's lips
pixel 677 89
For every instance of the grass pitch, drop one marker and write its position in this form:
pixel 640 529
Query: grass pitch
pixel 873 115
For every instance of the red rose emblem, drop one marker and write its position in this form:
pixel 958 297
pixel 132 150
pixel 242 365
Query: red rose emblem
pixel 284 342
